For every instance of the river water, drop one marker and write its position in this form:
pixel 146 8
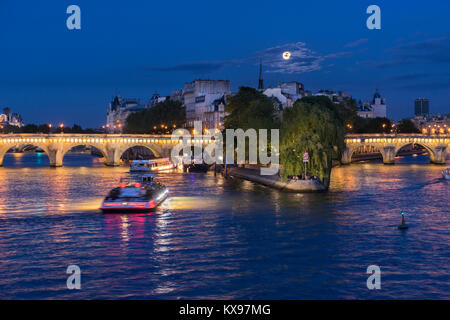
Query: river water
pixel 217 238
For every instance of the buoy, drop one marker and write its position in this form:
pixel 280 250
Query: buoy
pixel 403 225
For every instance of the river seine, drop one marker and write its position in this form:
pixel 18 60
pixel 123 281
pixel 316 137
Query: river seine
pixel 223 239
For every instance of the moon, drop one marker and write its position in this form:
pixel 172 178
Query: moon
pixel 286 55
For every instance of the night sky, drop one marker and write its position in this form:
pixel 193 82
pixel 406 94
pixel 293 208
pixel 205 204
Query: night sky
pixel 51 74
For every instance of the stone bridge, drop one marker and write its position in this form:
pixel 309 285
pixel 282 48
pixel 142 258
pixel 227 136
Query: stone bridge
pixel 388 145
pixel 112 146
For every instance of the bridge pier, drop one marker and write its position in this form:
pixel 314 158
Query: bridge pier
pixel 2 156
pixel 55 155
pixel 346 156
pixel 439 155
pixel 112 156
pixel 388 154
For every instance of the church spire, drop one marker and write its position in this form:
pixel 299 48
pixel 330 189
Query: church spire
pixel 260 82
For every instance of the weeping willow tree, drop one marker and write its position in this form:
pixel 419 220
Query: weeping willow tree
pixel 312 125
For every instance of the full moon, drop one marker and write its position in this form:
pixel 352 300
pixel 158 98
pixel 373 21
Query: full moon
pixel 286 55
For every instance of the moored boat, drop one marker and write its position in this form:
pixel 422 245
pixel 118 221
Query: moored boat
pixel 151 165
pixel 446 173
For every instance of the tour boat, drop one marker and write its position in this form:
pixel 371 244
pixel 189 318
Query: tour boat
pixel 135 196
pixel 151 165
pixel 446 173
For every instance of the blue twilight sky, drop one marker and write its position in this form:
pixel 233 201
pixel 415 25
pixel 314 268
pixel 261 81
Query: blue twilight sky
pixel 50 74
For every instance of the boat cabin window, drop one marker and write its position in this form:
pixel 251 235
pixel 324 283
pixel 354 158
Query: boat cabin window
pixel 147 179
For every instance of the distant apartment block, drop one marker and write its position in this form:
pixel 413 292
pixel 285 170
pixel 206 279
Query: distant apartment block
pixel 421 107
pixel 205 101
pixel 433 123
pixel 285 94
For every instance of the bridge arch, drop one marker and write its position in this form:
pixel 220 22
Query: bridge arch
pixel 114 152
pixel 66 148
pixel 428 149
pixel 152 147
pixel 375 149
pixel 4 148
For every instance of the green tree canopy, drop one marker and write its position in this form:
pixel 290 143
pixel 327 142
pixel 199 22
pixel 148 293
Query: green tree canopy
pixel 313 125
pixel 30 128
pixel 250 108
pixel 372 125
pixel 407 126
pixel 161 118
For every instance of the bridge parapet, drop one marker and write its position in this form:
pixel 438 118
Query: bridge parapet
pixel 389 144
pixel 112 146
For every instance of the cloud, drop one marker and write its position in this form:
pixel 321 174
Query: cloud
pixel 342 54
pixel 204 67
pixel 426 86
pixel 431 51
pixel 356 43
pixel 302 60
pixel 428 51
pixel 410 76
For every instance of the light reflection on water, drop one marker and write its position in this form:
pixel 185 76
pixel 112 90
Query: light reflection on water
pixel 216 238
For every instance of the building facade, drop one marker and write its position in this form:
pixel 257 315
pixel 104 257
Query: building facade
pixel 433 124
pixel 376 109
pixel 201 99
pixel 214 114
pixel 9 118
pixel 118 111
pixel 155 99
pixel 285 94
pixel 421 107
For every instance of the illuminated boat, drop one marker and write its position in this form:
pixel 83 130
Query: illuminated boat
pixel 135 196
pixel 446 173
pixel 151 165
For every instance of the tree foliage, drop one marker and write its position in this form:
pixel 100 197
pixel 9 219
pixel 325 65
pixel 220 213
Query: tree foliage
pixel 407 126
pixel 371 125
pixel 45 128
pixel 250 108
pixel 161 118
pixel 313 125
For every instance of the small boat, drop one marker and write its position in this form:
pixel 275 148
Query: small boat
pixel 135 196
pixel 446 174
pixel 195 165
pixel 151 165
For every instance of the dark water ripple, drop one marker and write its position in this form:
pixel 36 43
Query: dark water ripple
pixel 224 239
